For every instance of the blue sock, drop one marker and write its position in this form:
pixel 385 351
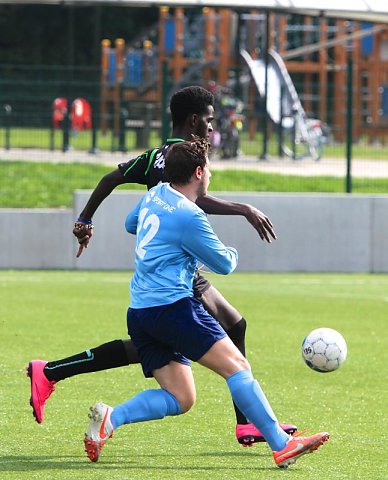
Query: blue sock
pixel 250 399
pixel 147 405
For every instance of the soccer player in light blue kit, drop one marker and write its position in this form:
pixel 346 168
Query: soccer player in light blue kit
pixel 169 326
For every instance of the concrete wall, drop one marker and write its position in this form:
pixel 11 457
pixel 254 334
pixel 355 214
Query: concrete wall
pixel 326 233
pixel 36 238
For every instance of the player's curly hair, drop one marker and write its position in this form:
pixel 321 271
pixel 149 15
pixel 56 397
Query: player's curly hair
pixel 187 101
pixel 184 157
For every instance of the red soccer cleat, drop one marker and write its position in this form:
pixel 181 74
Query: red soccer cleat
pixel 41 388
pixel 248 434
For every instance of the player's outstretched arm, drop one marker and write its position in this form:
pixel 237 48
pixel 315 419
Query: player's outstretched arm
pixel 83 227
pixel 260 222
pixel 202 243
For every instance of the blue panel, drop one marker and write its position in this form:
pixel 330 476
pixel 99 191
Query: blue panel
pixel 367 43
pixel 136 76
pixel 133 75
pixel 384 101
pixel 169 39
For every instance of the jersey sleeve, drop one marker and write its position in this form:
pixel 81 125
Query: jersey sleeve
pixel 135 170
pixel 200 241
pixel 132 219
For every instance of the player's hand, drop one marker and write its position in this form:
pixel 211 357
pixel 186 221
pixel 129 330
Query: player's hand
pixel 83 232
pixel 261 223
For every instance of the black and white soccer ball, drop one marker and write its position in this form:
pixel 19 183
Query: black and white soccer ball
pixel 324 350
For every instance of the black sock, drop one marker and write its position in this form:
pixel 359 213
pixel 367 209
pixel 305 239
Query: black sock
pixel 237 335
pixel 109 355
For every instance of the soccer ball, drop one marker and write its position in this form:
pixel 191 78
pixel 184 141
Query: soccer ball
pixel 324 350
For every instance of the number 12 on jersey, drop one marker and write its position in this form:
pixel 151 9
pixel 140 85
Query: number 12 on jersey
pixel 147 227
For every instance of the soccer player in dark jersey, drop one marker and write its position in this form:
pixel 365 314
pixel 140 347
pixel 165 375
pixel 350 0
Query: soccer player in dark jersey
pixel 192 112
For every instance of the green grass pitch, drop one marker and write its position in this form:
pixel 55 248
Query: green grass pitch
pixel 53 314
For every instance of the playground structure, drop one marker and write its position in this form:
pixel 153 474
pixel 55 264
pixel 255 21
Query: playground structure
pixel 203 44
pixel 311 58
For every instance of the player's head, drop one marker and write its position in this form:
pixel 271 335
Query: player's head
pixel 187 159
pixel 192 109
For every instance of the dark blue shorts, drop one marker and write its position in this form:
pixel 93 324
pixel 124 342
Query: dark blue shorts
pixel 180 331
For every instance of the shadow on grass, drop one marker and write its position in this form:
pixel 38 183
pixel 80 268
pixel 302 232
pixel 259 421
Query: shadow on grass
pixel 20 463
pixel 24 463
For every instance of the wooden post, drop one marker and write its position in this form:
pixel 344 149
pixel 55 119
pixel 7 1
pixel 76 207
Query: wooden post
pixel 120 47
pixel 224 45
pixel 179 48
pixel 253 26
pixel 104 98
pixel 147 53
pixel 163 15
pixel 322 109
pixel 209 42
pixel 282 34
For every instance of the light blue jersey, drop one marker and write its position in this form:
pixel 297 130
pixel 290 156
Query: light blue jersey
pixel 172 234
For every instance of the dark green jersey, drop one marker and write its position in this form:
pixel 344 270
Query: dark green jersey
pixel 148 168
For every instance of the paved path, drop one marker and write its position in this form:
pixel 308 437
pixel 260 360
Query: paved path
pixel 366 168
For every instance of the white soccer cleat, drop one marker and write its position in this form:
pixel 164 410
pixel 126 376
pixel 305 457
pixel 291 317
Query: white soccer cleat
pixel 100 430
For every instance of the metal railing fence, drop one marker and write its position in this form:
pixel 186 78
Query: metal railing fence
pixel 29 129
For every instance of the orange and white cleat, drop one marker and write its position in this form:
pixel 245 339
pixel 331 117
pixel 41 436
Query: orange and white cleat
pixel 298 446
pixel 100 430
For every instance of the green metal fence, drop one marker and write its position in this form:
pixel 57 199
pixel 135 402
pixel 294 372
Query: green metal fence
pixel 27 133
